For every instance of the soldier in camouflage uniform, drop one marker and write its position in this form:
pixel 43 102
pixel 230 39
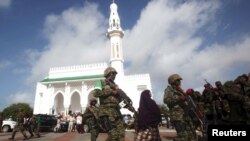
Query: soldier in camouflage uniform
pixel 209 105
pixel 244 84
pixel 19 126
pixel 91 118
pixel 235 99
pixel 175 98
pixel 246 88
pixel 109 107
pixel 35 124
pixel 225 109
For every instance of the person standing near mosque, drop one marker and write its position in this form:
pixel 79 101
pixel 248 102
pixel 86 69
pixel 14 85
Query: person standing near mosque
pixel 91 118
pixel 19 126
pixel 175 99
pixel 109 107
pixel 149 117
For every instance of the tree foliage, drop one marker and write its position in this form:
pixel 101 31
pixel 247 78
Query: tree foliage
pixel 14 109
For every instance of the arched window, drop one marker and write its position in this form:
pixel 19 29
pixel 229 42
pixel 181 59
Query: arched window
pixel 117 49
pixel 113 50
pixel 113 22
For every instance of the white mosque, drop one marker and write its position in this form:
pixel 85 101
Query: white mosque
pixel 69 88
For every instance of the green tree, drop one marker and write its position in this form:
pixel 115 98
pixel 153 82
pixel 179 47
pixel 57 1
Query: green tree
pixel 13 110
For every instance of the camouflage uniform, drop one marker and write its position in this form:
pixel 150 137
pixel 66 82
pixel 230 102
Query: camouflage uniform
pixel 19 127
pixel 209 105
pixel 28 125
pixel 35 124
pixel 244 84
pixel 90 116
pixel 174 98
pixel 246 104
pixel 225 108
pixel 235 99
pixel 109 106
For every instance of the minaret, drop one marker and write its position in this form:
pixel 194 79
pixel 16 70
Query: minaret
pixel 115 34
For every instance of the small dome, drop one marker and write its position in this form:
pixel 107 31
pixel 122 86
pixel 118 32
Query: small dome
pixel 113 6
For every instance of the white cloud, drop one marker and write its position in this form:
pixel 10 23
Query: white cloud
pixel 22 97
pixel 163 41
pixel 5 3
pixel 76 37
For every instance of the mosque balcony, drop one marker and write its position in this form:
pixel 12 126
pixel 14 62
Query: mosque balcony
pixel 115 33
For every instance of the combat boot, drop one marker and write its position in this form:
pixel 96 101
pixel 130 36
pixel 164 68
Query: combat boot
pixel 25 137
pixel 31 135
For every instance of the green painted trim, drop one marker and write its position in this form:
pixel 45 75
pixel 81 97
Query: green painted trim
pixel 46 80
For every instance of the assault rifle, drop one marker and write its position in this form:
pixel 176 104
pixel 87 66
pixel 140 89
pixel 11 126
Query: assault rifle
pixel 127 103
pixel 210 86
pixel 193 111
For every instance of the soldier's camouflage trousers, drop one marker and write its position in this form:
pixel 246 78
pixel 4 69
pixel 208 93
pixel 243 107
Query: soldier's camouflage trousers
pixel 18 128
pixel 185 131
pixel 94 133
pixel 117 133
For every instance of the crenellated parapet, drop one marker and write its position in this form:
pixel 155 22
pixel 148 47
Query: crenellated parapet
pixel 77 70
pixel 77 67
pixel 138 76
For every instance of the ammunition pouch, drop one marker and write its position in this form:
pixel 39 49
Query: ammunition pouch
pixel 105 123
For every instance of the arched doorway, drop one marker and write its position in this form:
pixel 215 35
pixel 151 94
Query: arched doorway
pixel 75 103
pixel 58 104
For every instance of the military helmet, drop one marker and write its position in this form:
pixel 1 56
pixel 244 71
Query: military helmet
pixel 109 70
pixel 172 78
pixel 217 83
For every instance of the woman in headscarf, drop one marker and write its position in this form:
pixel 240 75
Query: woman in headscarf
pixel 149 117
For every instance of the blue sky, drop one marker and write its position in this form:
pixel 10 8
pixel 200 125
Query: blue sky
pixel 196 38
